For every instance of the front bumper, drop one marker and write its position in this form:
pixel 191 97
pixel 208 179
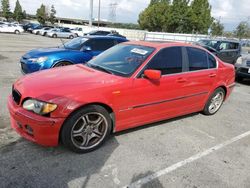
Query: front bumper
pixel 243 72
pixel 45 130
pixel 29 67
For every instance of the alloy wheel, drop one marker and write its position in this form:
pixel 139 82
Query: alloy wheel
pixel 89 130
pixel 216 102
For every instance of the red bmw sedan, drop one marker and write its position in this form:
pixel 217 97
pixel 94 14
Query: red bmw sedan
pixel 129 85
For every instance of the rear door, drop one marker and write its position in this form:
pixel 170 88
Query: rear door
pixel 201 75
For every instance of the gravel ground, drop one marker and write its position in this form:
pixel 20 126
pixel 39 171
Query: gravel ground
pixel 190 151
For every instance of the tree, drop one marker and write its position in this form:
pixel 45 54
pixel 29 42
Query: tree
pixel 18 12
pixel 217 28
pixel 41 14
pixel 242 30
pixel 52 16
pixel 6 9
pixel 24 14
pixel 201 18
pixel 153 17
pixel 178 17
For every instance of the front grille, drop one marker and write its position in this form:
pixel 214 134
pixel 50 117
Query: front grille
pixel 16 96
pixel 248 63
pixel 244 70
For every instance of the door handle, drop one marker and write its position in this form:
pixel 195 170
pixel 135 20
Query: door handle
pixel 181 80
pixel 212 75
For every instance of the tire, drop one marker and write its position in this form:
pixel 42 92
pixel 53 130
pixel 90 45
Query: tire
pixel 37 32
pixel 215 100
pixel 17 32
pixel 71 37
pixel 54 36
pixel 45 33
pixel 62 63
pixel 86 129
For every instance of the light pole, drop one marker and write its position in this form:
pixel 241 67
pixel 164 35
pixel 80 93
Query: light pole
pixel 90 12
pixel 99 13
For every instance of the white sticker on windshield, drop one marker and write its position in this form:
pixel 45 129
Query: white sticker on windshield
pixel 139 51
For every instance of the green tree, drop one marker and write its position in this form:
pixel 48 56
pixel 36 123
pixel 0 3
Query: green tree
pixel 52 15
pixel 18 12
pixel 178 17
pixel 153 17
pixel 200 16
pixel 6 9
pixel 242 30
pixel 41 14
pixel 217 28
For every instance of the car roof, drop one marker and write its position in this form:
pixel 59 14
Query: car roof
pixel 161 44
pixel 103 36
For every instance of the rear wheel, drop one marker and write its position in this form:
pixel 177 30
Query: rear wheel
pixel 87 129
pixel 45 33
pixel 62 63
pixel 214 102
pixel 71 36
pixel 54 36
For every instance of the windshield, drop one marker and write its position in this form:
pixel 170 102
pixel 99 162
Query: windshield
pixel 122 60
pixel 211 43
pixel 75 44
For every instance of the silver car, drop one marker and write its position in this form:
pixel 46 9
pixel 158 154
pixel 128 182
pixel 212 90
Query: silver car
pixel 242 65
pixel 61 33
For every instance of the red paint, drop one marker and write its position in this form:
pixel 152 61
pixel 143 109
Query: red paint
pixel 134 101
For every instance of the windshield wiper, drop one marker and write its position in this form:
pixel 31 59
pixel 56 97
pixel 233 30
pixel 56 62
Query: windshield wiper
pixel 98 67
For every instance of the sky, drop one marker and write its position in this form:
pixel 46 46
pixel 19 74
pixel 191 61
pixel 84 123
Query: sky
pixel 230 12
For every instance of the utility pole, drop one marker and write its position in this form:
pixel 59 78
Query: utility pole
pixel 90 12
pixel 112 13
pixel 99 13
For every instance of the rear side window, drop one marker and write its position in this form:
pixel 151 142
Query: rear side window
pixel 197 59
pixel 211 61
pixel 100 44
pixel 168 61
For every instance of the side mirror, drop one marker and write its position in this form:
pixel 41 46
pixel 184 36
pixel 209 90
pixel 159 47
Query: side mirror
pixel 152 74
pixel 86 48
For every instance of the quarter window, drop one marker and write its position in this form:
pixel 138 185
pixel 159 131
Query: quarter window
pixel 197 59
pixel 168 61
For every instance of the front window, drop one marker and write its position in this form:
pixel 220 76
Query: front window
pixel 74 44
pixel 122 60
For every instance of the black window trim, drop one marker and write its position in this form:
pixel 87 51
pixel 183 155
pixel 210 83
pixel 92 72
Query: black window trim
pixel 140 73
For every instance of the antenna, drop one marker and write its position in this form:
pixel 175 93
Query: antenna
pixel 112 13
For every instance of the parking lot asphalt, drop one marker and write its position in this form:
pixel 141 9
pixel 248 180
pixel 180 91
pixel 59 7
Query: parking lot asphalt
pixel 190 151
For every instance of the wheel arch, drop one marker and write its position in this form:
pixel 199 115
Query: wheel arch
pixel 107 107
pixel 61 60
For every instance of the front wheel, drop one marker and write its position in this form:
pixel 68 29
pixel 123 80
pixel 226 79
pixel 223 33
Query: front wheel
pixel 62 63
pixel 87 129
pixel 54 36
pixel 71 36
pixel 214 102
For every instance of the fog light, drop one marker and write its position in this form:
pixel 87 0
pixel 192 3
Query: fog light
pixel 29 130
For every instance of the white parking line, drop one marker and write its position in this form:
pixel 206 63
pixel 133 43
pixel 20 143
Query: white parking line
pixel 175 166
pixel 202 132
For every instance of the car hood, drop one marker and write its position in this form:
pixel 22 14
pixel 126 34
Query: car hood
pixel 65 81
pixel 43 52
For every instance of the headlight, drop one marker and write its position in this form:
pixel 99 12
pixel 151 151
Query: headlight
pixel 39 59
pixel 239 61
pixel 39 107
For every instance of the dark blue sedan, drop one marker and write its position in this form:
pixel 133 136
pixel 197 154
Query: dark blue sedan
pixel 78 50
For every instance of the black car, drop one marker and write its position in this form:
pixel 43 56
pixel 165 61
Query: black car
pixel 227 50
pixel 105 33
